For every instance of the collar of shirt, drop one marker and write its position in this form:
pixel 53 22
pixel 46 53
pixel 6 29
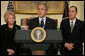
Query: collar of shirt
pixel 44 19
pixel 73 22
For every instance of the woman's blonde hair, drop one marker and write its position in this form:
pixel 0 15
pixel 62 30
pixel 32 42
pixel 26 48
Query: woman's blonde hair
pixel 6 15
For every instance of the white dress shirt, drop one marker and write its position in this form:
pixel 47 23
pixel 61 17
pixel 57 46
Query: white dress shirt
pixel 73 22
pixel 44 20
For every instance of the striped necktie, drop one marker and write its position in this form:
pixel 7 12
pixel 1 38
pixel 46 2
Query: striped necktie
pixel 71 26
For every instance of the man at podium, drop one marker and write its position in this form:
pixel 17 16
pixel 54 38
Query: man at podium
pixel 44 22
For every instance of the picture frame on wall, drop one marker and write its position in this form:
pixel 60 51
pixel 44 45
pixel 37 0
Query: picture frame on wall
pixel 30 7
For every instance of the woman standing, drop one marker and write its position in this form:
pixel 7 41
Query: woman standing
pixel 8 45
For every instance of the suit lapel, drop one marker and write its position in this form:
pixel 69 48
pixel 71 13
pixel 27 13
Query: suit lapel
pixel 68 26
pixel 47 23
pixel 37 22
pixel 75 26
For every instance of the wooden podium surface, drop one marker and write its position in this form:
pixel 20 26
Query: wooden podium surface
pixel 38 52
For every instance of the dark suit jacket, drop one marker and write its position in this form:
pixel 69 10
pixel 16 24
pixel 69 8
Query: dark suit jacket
pixel 50 24
pixel 7 38
pixel 77 36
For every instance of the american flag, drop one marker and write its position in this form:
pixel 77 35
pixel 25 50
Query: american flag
pixel 10 6
pixel 65 13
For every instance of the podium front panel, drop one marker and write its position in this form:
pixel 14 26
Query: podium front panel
pixel 24 36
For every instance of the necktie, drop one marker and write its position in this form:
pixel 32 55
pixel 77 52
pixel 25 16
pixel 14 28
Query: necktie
pixel 42 23
pixel 71 26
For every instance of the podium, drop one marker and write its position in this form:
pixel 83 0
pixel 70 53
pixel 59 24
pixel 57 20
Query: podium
pixel 39 48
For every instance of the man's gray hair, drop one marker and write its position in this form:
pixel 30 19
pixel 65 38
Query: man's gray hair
pixel 46 8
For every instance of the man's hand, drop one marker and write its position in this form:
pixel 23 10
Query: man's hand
pixel 10 51
pixel 69 46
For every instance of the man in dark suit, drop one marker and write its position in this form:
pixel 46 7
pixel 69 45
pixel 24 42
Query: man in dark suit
pixel 73 34
pixel 44 22
pixel 49 24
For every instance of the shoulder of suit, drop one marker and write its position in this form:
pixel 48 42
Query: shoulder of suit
pixel 33 19
pixel 4 25
pixel 18 27
pixel 65 20
pixel 80 21
pixel 49 19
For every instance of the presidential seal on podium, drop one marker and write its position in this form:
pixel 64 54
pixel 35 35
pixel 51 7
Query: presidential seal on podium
pixel 38 34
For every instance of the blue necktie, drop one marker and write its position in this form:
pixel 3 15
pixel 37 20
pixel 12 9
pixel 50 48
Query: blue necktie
pixel 42 23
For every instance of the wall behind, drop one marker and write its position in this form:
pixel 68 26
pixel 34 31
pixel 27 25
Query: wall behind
pixel 78 4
